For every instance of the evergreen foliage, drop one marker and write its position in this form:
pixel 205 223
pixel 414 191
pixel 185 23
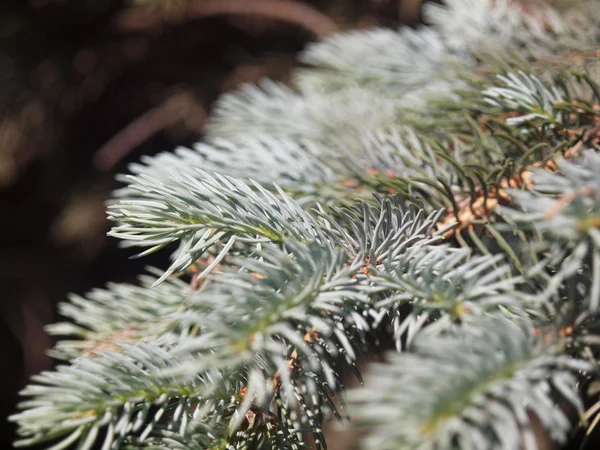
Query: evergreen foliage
pixel 437 187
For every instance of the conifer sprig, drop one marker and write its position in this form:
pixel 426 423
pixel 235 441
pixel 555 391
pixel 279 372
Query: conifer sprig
pixel 202 212
pixel 118 399
pixel 442 282
pixel 564 207
pixel 285 320
pixel 481 385
pixel 144 313
pixel 477 255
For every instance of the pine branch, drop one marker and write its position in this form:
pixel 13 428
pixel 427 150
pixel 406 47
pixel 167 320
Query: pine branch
pixel 394 63
pixel 564 206
pixel 413 65
pixel 265 159
pixel 442 283
pixel 476 386
pixel 526 94
pixel 305 171
pixel 204 212
pixel 103 318
pixel 275 109
pixel 383 231
pixel 119 399
pixel 461 145
pixel 284 320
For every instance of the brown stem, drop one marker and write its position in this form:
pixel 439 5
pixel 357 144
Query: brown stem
pixel 142 128
pixel 409 11
pixel 288 11
pixel 566 199
pixel 592 132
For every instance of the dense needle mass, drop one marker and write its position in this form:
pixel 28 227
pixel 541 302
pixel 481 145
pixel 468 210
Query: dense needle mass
pixel 435 186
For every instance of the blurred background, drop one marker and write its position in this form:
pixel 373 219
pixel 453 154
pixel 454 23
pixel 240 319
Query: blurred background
pixel 88 86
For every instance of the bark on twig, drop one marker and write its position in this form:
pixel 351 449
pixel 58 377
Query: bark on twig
pixel 288 11
pixel 144 127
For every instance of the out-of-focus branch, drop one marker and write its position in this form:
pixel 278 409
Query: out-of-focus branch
pixel 288 11
pixel 409 11
pixel 147 125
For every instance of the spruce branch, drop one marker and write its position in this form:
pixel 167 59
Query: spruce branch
pixel 297 265
pixel 441 282
pixel 391 62
pixel 306 171
pixel 203 212
pixel 121 312
pixel 366 65
pixel 564 206
pixel 472 25
pixel 382 231
pixel 284 319
pixel 428 62
pixel 556 108
pixel 275 109
pixel 391 157
pixel 295 166
pixel 118 398
pixel 301 284
pixel 525 93
pixel 472 387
